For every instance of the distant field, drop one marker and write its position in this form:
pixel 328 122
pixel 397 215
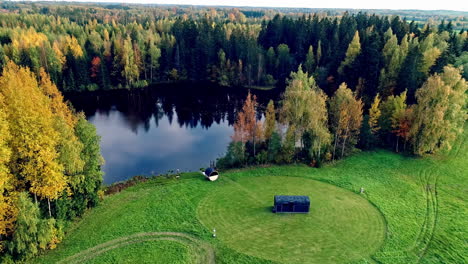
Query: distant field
pixel 414 211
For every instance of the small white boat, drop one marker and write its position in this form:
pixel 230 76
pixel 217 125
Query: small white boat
pixel 211 174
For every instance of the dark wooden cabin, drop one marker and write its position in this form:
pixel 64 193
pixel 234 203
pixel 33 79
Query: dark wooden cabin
pixel 291 204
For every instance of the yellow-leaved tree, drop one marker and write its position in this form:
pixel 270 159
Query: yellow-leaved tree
pixel 7 210
pixel 68 145
pixel 34 159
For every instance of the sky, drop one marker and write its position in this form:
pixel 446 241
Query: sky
pixel 461 5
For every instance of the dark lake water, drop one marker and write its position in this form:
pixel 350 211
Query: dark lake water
pixel 157 129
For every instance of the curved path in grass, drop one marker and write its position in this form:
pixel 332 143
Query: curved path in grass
pixel 205 253
pixel 341 227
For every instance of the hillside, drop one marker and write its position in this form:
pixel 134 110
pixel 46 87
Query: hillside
pixel 423 202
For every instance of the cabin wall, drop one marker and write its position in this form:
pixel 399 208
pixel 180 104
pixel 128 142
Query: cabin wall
pixel 291 208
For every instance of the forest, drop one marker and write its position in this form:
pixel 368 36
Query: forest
pixel 349 82
pixel 112 48
pixel 312 128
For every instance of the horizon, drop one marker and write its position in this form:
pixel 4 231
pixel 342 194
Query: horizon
pixel 336 4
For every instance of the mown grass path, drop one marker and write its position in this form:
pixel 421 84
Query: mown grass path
pixel 205 253
pixel 428 179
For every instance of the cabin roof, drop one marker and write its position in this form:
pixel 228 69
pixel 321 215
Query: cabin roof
pixel 292 199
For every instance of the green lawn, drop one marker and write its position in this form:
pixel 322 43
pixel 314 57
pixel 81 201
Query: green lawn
pixel 161 252
pixel 423 202
pixel 341 225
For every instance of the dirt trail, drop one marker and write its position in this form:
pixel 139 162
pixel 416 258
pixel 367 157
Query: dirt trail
pixel 204 252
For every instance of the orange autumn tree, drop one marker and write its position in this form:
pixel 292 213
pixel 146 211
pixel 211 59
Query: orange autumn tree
pixel 247 127
pixel 403 130
pixel 95 66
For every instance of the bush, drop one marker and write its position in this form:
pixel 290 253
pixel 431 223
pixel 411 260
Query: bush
pixel 92 87
pixel 262 157
pixel 235 156
pixel 274 148
pixel 269 80
pixel 140 84
pixel 120 186
pixel 7 259
pixel 32 233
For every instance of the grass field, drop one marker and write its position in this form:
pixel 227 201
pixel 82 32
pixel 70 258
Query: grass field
pixel 160 252
pixel 341 225
pixel 414 210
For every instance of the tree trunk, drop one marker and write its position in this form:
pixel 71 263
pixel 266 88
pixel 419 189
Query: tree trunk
pixel 397 144
pixel 343 148
pixel 319 148
pixel 344 140
pixel 334 145
pixel 44 58
pixel 254 145
pixel 50 213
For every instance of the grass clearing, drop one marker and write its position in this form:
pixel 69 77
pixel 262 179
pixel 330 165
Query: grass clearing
pixel 161 252
pixel 199 252
pixel 341 225
pixel 423 200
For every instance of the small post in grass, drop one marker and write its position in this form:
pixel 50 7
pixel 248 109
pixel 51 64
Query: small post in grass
pixel 361 190
pixel 214 232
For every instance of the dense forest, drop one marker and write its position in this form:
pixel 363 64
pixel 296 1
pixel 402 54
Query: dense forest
pixel 98 48
pixel 349 80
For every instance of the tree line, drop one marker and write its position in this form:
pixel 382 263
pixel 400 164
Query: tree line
pixel 373 54
pixel 50 163
pixel 308 126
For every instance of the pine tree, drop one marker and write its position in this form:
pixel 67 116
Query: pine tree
pixel 319 53
pixel 283 61
pixel 394 56
pixel 309 63
pixel 374 115
pixel 354 49
pixel 270 60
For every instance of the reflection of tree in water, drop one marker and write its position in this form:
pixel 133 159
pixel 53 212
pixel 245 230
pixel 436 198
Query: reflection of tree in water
pixel 191 106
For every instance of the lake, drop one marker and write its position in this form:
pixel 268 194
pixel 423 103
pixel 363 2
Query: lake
pixel 155 130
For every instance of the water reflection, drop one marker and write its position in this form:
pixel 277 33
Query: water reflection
pixel 154 130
